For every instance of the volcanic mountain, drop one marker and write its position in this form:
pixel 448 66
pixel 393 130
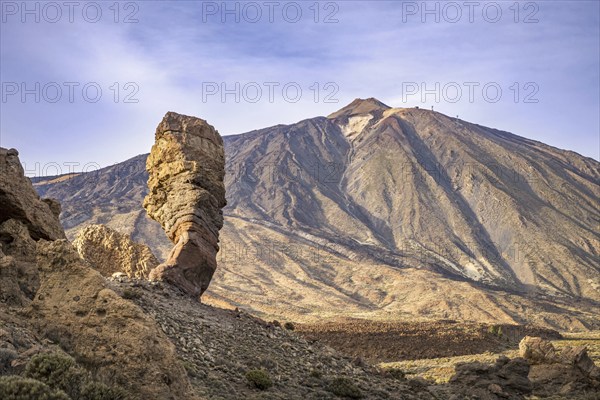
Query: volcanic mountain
pixel 384 213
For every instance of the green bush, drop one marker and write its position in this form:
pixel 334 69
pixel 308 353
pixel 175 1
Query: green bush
pixel 19 388
pixel 6 356
pixel 259 379
pixel 59 371
pixel 495 330
pixel 99 391
pixel 344 387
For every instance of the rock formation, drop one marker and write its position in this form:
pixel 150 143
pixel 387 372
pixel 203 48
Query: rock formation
pixel 24 218
pixel 109 251
pixel 19 201
pixel 566 373
pixel 186 195
pixel 51 300
pixel 506 379
pixel 537 350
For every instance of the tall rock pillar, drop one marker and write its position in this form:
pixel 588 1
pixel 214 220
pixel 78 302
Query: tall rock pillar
pixel 186 196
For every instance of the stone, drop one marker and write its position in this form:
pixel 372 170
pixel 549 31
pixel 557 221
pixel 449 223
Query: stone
pixel 111 252
pixel 19 278
pixel 15 240
pixel 568 373
pixel 505 379
pixel 19 200
pixel 579 358
pixel 186 195
pixel 537 350
pixel 54 206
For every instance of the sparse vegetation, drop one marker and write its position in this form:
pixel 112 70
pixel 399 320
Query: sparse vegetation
pixel 6 356
pixel 495 330
pixel 440 370
pixel 344 387
pixel 289 326
pixel 59 371
pixel 395 373
pixel 99 391
pixel 19 388
pixel 190 368
pixel 131 294
pixel 259 379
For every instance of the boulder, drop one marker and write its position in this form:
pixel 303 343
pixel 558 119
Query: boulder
pixel 570 372
pixel 19 200
pixel 110 252
pixel 537 350
pixel 506 379
pixel 186 195
pixel 578 357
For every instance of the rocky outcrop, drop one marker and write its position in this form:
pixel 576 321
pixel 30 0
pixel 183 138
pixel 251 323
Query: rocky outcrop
pixel 506 379
pixel 50 299
pixel 567 373
pixel 109 251
pixel 186 195
pixel 123 345
pixel 19 201
pixel 537 350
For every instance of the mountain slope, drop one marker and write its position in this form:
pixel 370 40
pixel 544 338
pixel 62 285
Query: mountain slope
pixel 386 213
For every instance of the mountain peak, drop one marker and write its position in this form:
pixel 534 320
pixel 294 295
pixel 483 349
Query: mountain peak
pixel 360 106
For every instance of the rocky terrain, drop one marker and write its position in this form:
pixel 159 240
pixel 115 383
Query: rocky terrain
pixel 384 214
pixel 51 300
pixel 67 332
pixel 72 327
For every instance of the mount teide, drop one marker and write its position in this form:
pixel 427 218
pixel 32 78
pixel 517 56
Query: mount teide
pixel 385 213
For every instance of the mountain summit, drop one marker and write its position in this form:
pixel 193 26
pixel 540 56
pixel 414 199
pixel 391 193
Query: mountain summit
pixel 386 214
pixel 360 106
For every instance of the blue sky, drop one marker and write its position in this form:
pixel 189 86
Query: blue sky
pixel 174 55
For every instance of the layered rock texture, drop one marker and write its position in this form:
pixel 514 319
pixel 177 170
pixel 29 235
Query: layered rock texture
pixel 111 252
pixel 186 195
pixel 385 213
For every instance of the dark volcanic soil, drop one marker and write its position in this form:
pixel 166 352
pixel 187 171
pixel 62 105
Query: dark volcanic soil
pixel 392 341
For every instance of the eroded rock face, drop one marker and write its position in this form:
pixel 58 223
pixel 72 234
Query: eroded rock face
pixel 19 201
pixel 186 196
pixel 109 251
pixel 569 372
